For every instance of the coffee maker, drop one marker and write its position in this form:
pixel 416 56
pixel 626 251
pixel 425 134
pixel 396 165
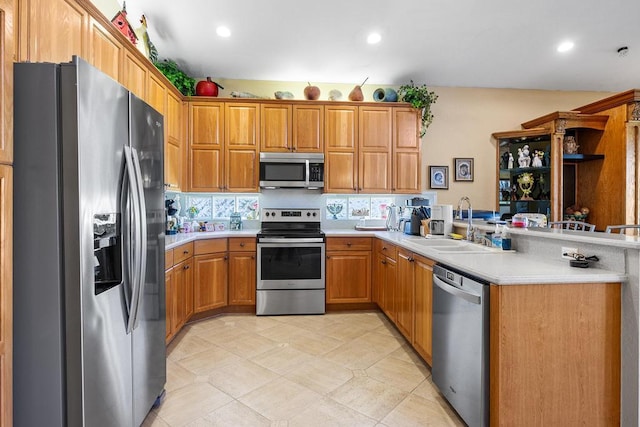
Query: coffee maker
pixel 441 223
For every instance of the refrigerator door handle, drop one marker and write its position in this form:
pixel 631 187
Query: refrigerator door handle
pixel 133 272
pixel 142 242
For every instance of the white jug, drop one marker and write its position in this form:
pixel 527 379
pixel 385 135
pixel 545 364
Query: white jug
pixel 393 217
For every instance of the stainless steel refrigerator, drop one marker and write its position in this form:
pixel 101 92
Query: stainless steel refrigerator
pixel 89 291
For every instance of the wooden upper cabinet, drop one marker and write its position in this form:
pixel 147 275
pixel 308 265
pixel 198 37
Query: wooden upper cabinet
pixel 341 139
pixel 135 75
pixel 374 162
pixel 406 151
pixel 7 44
pixel 174 142
pixel 105 51
pixel 308 129
pixel 242 140
pixel 41 39
pixel 275 132
pixel 242 125
pixel 157 94
pixel 206 142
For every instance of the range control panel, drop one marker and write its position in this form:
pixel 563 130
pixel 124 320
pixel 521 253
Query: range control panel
pixel 289 215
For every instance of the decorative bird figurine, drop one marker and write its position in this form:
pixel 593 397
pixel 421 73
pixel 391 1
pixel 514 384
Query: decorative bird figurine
pixel 150 50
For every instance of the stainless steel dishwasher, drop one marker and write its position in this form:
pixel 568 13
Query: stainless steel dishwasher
pixel 461 343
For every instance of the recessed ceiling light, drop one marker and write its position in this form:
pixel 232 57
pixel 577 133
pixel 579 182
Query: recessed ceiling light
pixel 374 38
pixel 565 46
pixel 223 31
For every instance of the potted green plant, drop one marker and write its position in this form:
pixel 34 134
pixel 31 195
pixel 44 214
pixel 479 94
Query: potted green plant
pixel 182 82
pixel 419 97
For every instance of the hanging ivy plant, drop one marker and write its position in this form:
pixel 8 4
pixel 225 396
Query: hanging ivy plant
pixel 419 97
pixel 182 82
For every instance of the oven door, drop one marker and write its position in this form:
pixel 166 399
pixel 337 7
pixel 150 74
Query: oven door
pixel 290 264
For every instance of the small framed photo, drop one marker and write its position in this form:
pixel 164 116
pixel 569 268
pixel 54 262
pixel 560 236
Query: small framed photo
pixel 439 177
pixel 464 169
pixel 209 226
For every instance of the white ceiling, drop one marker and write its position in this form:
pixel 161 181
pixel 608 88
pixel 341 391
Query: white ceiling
pixel 466 43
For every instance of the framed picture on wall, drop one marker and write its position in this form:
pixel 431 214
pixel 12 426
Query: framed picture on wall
pixel 439 177
pixel 464 169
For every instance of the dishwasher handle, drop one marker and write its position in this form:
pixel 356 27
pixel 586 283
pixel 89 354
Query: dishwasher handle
pixel 472 298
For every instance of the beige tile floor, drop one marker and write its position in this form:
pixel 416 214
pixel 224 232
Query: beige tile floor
pixel 340 369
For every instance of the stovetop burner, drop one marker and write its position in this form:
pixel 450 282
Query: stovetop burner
pixel 290 223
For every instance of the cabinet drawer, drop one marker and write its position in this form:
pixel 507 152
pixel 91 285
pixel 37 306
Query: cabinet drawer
pixel 182 252
pixel 349 244
pixel 168 259
pixel 386 248
pixel 210 246
pixel 240 244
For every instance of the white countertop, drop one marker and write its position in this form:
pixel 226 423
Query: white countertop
pixel 499 267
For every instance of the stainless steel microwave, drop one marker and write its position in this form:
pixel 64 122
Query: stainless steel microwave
pixel 292 170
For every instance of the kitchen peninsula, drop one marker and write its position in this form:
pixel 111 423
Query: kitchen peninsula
pixel 542 310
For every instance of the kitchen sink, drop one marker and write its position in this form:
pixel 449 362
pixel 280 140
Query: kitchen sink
pixel 466 248
pixel 438 242
pixel 449 246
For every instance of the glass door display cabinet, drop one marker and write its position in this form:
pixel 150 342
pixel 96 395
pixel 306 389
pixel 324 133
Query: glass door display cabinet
pixel 537 167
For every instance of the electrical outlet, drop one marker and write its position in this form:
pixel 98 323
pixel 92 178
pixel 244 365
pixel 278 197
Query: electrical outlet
pixel 568 251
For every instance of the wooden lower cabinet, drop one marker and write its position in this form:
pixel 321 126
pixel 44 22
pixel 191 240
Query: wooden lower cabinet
pixel 404 293
pixel 555 354
pixel 242 271
pixel 179 296
pixel 348 276
pixel 210 278
pixel 423 311
pixel 348 270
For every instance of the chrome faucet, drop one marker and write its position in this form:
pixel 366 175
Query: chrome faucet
pixel 470 229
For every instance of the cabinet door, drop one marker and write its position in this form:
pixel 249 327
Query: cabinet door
pixel 7 53
pixel 184 289
pixel 210 281
pixel 174 151
pixel 53 30
pixel 407 176
pixel 242 170
pixel 308 129
pixel 404 294
pixel 171 304
pixel 341 139
pixel 105 51
pixel 374 147
pixel 275 132
pixel 135 75
pixel 242 124
pixel 423 276
pixel 388 294
pixel 348 276
pixel 157 95
pixel 206 139
pixel 6 302
pixel 242 278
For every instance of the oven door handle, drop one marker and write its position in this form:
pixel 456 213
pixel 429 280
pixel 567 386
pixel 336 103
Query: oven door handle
pixel 472 298
pixel 291 240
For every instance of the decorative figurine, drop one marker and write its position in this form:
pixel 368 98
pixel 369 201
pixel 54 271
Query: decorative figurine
pixel 510 161
pixel 525 182
pixel 537 159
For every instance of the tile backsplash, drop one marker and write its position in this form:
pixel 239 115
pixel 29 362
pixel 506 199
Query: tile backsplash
pixel 338 210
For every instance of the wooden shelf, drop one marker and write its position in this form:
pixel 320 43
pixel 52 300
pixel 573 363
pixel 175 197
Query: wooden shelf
pixel 515 171
pixel 579 158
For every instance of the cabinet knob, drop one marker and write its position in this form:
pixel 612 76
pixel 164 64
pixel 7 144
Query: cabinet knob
pixel 348 243
pixel 242 244
pixel 186 267
pixel 384 248
pixel 410 259
pixel 226 257
pixel 252 257
pixel 328 257
pixel 185 252
pixel 383 261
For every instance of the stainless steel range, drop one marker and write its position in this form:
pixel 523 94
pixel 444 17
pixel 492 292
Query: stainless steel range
pixel 291 256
